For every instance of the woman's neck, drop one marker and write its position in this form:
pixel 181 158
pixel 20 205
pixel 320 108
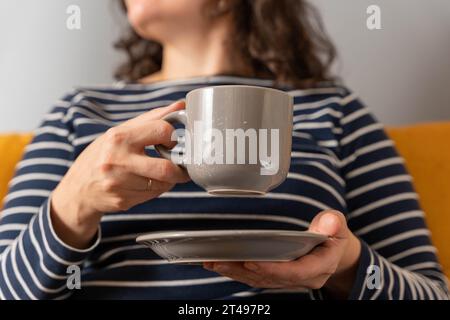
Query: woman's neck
pixel 199 55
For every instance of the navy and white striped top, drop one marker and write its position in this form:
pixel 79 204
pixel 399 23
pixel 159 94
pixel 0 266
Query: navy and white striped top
pixel 341 159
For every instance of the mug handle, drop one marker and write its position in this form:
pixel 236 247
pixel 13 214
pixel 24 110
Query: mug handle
pixel 177 117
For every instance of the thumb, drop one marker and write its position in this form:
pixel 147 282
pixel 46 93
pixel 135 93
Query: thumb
pixel 330 223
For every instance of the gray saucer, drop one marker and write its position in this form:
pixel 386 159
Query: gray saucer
pixel 231 245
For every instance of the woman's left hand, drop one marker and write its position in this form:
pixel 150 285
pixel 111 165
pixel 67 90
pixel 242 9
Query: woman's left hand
pixel 332 264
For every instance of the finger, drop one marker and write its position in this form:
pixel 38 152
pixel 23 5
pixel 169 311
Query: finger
pixel 155 168
pixel 331 223
pixel 157 113
pixel 320 261
pixel 236 271
pixel 155 191
pixel 123 200
pixel 334 225
pixel 158 187
pixel 148 133
pixel 118 179
pixel 131 182
pixel 282 272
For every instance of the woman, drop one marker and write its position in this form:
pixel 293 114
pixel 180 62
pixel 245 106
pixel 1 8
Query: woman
pixel 87 170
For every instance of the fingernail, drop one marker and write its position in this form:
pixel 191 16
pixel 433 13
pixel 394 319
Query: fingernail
pixel 328 223
pixel 251 266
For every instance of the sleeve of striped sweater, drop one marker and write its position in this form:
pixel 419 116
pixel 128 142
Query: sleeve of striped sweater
pixel 398 260
pixel 33 260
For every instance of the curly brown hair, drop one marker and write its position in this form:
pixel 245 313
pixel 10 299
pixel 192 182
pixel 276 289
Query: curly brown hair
pixel 282 40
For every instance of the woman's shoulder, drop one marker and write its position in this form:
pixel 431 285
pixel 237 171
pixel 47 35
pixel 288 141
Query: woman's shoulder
pixel 110 104
pixel 324 95
pixel 111 96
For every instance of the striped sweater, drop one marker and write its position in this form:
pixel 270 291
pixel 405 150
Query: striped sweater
pixel 341 159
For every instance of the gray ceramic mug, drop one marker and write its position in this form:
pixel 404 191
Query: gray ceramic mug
pixel 237 139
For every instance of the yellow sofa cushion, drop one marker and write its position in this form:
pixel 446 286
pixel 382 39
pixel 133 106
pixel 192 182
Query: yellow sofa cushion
pixel 11 149
pixel 425 147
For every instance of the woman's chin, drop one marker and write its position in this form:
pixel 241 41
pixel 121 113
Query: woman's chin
pixel 144 26
pixel 141 17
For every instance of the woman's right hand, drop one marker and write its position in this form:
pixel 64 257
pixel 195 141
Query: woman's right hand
pixel 114 174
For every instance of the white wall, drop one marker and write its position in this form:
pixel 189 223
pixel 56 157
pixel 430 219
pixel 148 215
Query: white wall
pixel 402 72
pixel 40 59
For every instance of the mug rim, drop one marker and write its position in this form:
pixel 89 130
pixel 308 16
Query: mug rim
pixel 237 87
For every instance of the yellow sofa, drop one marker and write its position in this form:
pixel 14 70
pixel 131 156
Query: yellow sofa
pixel 425 147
